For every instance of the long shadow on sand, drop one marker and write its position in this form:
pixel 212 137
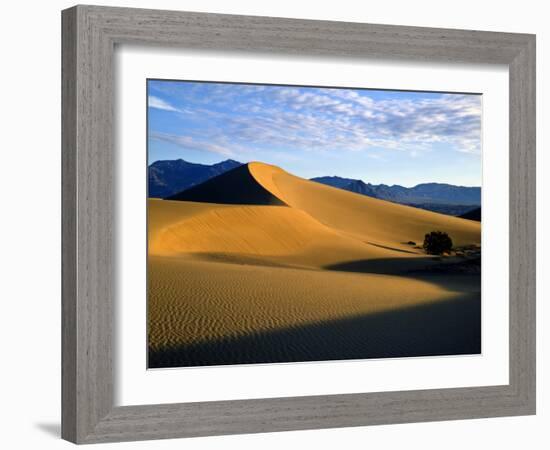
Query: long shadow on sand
pixel 451 327
pixel 409 267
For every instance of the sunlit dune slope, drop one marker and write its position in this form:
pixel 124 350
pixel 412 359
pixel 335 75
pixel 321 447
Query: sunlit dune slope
pixel 358 215
pixel 286 236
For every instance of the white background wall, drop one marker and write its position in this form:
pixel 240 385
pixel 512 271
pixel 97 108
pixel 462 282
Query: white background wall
pixel 30 222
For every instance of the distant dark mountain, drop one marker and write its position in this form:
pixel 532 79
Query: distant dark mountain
pixel 432 196
pixel 170 177
pixel 338 182
pixel 360 187
pixel 446 193
pixel 474 214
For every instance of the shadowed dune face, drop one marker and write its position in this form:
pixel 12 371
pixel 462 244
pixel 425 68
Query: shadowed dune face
pixel 257 265
pixel 237 186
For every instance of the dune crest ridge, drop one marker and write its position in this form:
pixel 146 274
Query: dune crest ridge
pixel 358 215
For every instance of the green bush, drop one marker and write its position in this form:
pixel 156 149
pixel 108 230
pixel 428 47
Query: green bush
pixel 437 243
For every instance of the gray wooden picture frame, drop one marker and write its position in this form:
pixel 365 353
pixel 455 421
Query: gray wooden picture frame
pixel 90 34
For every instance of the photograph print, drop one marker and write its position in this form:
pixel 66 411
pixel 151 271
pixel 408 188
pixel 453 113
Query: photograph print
pixel 295 224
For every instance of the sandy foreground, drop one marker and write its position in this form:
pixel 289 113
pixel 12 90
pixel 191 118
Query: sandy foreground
pixel 321 274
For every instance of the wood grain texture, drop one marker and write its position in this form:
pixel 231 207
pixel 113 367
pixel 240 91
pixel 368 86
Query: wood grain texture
pixel 89 36
pixel 68 225
pixel 523 224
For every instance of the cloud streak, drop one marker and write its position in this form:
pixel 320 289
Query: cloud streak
pixel 158 103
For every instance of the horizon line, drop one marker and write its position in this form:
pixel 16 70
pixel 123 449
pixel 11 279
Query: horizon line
pixel 309 179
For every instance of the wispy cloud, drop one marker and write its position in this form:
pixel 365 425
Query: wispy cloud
pixel 187 142
pixel 363 121
pixel 158 103
pixel 229 118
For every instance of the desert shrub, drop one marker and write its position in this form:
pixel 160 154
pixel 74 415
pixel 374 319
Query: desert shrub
pixel 437 243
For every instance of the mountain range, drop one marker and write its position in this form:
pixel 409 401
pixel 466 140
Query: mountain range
pixel 433 193
pixel 170 177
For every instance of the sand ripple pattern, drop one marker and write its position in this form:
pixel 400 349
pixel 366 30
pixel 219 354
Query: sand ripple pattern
pixel 192 303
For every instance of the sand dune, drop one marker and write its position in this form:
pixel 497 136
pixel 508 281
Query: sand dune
pixel 246 254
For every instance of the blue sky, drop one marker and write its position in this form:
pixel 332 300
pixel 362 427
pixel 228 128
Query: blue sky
pixel 379 136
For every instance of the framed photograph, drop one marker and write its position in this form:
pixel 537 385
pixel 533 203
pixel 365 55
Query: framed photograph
pixel 278 224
